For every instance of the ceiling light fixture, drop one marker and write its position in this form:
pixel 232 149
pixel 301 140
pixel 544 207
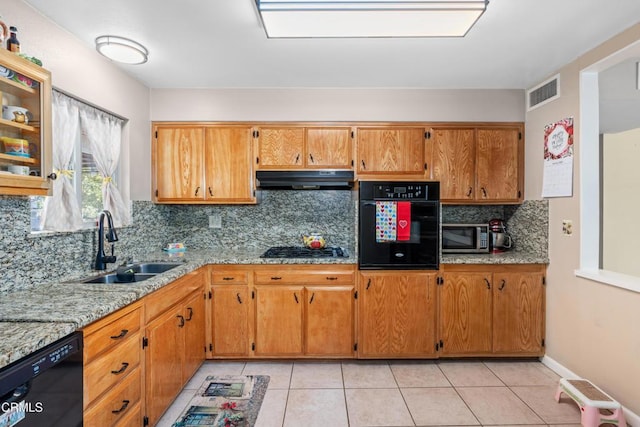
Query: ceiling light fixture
pixel 361 18
pixel 121 49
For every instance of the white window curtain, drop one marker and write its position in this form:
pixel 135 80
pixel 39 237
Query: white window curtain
pixel 62 210
pixel 102 133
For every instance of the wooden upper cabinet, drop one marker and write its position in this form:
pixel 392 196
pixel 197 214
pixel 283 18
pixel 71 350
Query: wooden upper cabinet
pixel 391 151
pixel 329 148
pixel 305 148
pixel 203 164
pixel 453 162
pixel 229 164
pixel 280 147
pixel 499 165
pixel 477 164
pixel 179 169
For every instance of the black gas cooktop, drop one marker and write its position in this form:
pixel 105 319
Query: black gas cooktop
pixel 302 252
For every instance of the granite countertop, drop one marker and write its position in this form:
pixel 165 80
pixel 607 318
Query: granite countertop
pixel 35 317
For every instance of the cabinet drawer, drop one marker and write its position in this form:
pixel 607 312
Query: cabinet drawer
pixel 111 334
pixel 116 405
pixel 223 277
pixel 109 369
pixel 317 277
pixel 162 299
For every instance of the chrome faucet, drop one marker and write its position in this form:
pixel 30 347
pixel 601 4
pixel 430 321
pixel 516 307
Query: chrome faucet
pixel 112 236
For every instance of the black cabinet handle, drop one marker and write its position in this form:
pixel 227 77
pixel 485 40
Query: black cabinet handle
pixel 331 278
pixel 488 283
pixel 124 367
pixel 363 165
pixel 368 284
pixel 297 158
pixel 502 284
pixel 312 296
pixel 311 157
pixel 296 298
pixel 197 189
pixel 276 278
pixel 239 299
pixel 190 314
pixel 181 325
pixel 122 334
pixel 484 191
pixel 228 278
pixel 125 404
pixel 210 192
pixel 470 191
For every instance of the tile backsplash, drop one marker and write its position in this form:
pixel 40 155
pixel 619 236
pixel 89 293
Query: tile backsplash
pixel 280 218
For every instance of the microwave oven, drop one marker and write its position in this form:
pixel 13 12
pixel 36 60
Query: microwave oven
pixel 465 238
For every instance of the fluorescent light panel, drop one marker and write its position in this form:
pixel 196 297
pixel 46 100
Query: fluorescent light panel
pixel 325 19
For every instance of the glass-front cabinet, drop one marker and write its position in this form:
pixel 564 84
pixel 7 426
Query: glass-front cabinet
pixel 25 127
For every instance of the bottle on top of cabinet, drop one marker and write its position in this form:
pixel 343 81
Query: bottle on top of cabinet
pixel 13 45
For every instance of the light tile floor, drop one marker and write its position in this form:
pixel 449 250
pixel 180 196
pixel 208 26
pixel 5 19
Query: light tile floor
pixel 398 393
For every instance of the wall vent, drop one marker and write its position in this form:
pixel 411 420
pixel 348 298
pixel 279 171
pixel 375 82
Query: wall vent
pixel 545 92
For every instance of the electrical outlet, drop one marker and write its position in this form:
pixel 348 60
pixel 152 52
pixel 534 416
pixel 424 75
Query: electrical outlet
pixel 215 221
pixel 567 227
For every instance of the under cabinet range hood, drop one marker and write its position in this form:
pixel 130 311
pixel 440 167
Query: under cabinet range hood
pixel 305 180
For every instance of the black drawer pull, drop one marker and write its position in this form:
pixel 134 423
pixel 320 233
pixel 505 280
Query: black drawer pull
pixel 276 278
pixel 125 365
pixel 125 404
pixel 228 278
pixel 332 278
pixel 122 334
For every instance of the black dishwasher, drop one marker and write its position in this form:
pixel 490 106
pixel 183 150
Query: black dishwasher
pixel 44 389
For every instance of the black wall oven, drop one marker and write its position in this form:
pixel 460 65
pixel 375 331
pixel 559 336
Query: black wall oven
pixel 399 225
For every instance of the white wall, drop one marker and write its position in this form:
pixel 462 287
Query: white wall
pixel 79 70
pixel 337 105
pixel 592 328
pixel 621 181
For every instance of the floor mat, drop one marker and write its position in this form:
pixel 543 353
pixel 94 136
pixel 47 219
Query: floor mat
pixel 225 401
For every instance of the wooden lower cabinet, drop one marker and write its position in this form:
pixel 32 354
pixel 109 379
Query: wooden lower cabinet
pixel 465 313
pixel 492 310
pixel 397 312
pixel 329 321
pixel 112 374
pixel 174 342
pixel 230 319
pixel 279 321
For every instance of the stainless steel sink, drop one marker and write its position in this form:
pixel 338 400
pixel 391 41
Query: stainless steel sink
pixel 113 278
pixel 141 272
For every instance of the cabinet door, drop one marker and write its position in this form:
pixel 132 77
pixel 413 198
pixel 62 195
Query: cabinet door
pixel 278 313
pixel 163 363
pixel 178 163
pixel 498 165
pixel 329 320
pixel 518 314
pixel 25 131
pixel 465 313
pixel 194 335
pixel 391 151
pixel 397 314
pixel 453 163
pixel 229 164
pixel 230 311
pixel 329 148
pixel 281 148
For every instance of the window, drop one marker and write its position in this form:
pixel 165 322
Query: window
pixel 608 197
pixel 86 153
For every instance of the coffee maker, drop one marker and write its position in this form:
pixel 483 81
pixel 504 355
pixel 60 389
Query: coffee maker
pixel 500 239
